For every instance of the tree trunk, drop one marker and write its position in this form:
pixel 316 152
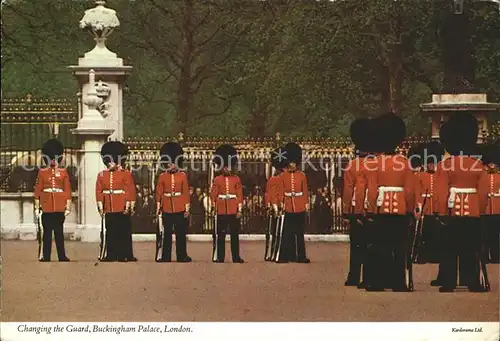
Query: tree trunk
pixel 258 121
pixel 395 68
pixel 384 89
pixel 184 95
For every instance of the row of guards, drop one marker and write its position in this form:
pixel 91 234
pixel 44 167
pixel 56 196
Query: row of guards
pixel 452 188
pixel 286 196
pixel 441 204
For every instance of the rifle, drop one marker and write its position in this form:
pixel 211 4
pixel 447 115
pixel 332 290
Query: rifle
pixel 39 236
pixel 412 255
pixel 279 229
pixel 159 238
pixel 483 272
pixel 268 252
pixel 418 232
pixel 102 246
pixel 215 239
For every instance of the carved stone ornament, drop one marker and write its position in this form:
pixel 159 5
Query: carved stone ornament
pixel 103 91
pixel 92 100
pixel 100 22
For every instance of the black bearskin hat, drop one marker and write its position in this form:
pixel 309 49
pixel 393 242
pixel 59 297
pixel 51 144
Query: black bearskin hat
pixel 113 151
pixel 459 134
pixel 122 152
pixel 278 157
pixel 172 152
pixel 415 155
pixel 225 156
pixel 293 153
pixel 361 131
pixel 391 132
pixel 52 150
pixel 432 152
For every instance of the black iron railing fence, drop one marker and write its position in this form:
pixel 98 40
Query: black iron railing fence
pixel 26 123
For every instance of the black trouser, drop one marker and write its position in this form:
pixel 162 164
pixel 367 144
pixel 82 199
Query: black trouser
pixel 178 223
pixel 462 237
pixel 293 246
pixel 117 238
pixel 53 221
pixel 271 237
pixel 226 224
pixel 357 249
pixel 128 242
pixel 431 245
pixel 491 227
pixel 387 251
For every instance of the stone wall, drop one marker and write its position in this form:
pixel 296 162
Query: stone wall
pixel 18 221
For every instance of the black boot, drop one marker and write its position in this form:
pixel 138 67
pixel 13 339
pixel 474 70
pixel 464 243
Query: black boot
pixel 185 259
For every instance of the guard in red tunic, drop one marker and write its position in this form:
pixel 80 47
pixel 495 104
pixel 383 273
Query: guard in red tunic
pixel 431 155
pixel 294 197
pixel 491 187
pixel 461 200
pixel 272 202
pixel 391 196
pixel 173 202
pixel 354 198
pixel 226 195
pixel 52 201
pixel 114 201
pixel 132 196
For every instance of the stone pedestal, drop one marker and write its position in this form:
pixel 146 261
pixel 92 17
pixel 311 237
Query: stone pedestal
pixel 93 133
pixel 444 105
pixel 89 164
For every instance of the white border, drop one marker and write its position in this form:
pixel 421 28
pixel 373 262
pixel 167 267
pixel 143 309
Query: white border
pixel 289 331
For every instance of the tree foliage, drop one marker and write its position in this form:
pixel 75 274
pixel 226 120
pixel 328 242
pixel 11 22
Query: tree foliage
pixel 251 67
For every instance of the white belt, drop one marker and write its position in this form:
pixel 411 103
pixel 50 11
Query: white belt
pixel 494 195
pixel 384 189
pixel 454 191
pixel 227 196
pixel 293 194
pixel 426 195
pixel 53 190
pixel 173 194
pixel 113 191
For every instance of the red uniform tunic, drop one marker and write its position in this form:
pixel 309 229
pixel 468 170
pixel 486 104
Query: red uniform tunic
pixel 53 189
pixel 370 179
pixel 113 190
pixel 426 188
pixel 391 186
pixel 131 192
pixel 354 196
pixel 459 194
pixel 294 192
pixel 273 188
pixel 490 185
pixel 227 194
pixel 172 192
